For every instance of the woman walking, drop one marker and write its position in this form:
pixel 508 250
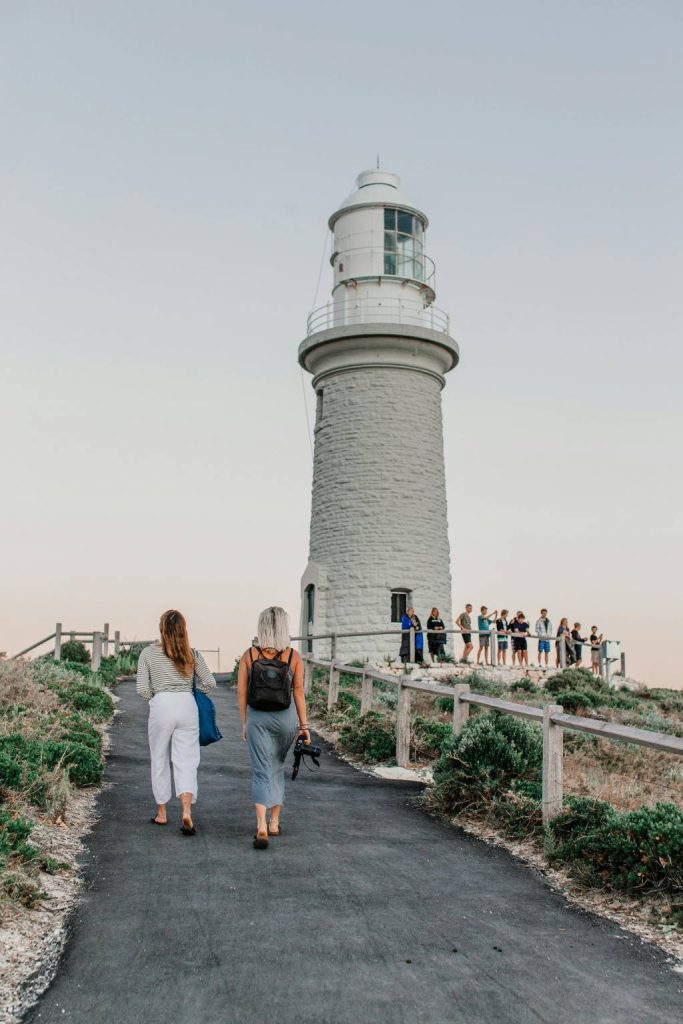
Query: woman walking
pixel 270 696
pixel 166 670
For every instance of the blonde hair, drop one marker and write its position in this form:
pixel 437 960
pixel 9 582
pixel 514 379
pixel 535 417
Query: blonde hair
pixel 175 641
pixel 273 629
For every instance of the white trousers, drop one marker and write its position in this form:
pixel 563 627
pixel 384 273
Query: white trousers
pixel 173 731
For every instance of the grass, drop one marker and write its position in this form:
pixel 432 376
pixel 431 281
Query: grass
pixel 51 715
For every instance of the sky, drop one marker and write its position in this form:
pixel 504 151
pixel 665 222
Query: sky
pixel 167 174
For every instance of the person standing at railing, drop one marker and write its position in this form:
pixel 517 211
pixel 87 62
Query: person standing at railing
pixel 544 630
pixel 503 634
pixel 166 670
pixel 564 640
pixel 578 641
pixel 520 631
pixel 464 624
pixel 436 637
pixel 411 621
pixel 596 643
pixel 484 626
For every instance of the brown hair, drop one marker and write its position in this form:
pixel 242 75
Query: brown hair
pixel 175 641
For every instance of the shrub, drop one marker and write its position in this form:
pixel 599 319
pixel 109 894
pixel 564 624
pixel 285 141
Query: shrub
pixel 429 736
pixel 74 650
pixel 444 704
pixel 79 667
pixel 636 852
pixel 89 698
pixel 573 679
pixel 370 737
pixel 109 670
pixel 491 753
pixel 577 700
pixel 524 684
pixel 348 700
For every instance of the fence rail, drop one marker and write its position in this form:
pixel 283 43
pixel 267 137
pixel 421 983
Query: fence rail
pixel 100 640
pixel 552 719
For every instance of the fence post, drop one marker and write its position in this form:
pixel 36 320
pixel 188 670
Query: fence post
pixel 411 656
pixel 623 665
pixel 58 641
pixel 403 727
pixel 218 656
pixel 72 637
pixel 365 694
pixel 96 651
pixel 308 676
pixel 461 708
pixel 105 640
pixel 333 647
pixel 606 663
pixel 551 801
pixel 493 644
pixel 333 690
pixel 563 651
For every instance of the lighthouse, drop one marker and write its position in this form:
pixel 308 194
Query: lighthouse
pixel 378 353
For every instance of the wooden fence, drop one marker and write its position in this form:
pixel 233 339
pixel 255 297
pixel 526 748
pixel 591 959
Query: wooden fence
pixel 551 718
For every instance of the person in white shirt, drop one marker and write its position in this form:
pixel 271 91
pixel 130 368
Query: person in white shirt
pixel 544 631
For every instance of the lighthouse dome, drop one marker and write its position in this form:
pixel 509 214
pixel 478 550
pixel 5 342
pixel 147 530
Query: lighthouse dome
pixel 377 188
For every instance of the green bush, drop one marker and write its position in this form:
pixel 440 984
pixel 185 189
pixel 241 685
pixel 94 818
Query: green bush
pixel 577 700
pixel 573 679
pixel 635 852
pixel 91 699
pixel 444 705
pixel 79 667
pixel 524 684
pixel 429 736
pixel 370 737
pixel 25 763
pixel 347 700
pixel 492 753
pixel 74 650
pixel 13 835
pixel 84 764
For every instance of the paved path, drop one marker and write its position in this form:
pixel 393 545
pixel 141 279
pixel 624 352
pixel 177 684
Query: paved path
pixel 367 911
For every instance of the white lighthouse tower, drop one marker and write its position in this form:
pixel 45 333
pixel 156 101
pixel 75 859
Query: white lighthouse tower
pixel 378 352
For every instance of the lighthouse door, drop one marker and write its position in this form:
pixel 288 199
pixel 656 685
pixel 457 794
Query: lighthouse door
pixel 309 607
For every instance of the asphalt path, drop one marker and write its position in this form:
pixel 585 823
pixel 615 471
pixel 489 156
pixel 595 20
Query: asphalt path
pixel 366 910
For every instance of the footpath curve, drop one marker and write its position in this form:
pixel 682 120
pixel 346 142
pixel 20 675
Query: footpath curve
pixel 366 910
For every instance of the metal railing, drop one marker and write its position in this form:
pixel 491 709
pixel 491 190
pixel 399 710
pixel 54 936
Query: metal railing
pixel 606 659
pixel 378 311
pixel 551 718
pixel 414 266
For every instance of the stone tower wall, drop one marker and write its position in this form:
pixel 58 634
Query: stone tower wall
pixel 379 518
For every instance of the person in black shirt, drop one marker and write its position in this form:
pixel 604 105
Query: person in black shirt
pixel 436 637
pixel 503 631
pixel 519 629
pixel 579 641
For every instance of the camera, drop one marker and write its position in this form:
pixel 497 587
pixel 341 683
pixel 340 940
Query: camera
pixel 301 750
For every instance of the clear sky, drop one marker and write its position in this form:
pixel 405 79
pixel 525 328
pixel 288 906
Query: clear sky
pixel 168 169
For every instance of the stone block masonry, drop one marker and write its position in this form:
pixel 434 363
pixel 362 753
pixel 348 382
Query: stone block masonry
pixel 379 516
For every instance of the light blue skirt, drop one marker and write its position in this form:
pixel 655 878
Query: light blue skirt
pixel 270 734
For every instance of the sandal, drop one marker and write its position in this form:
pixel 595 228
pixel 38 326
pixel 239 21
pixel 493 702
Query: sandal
pixel 261 841
pixel 278 833
pixel 192 831
pixel 155 822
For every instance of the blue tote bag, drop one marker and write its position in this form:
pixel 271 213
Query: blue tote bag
pixel 208 728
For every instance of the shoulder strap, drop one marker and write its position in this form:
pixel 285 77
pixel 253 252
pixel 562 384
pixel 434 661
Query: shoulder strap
pixel 291 655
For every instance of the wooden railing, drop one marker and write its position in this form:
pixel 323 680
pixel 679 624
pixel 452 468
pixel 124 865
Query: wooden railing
pixel 100 640
pixel 551 718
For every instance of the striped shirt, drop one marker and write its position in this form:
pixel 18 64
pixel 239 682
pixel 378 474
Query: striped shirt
pixel 157 674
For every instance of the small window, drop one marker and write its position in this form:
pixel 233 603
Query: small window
pixel 390 219
pixel 399 603
pixel 319 408
pixel 405 222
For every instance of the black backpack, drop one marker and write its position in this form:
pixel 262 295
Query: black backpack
pixel 270 682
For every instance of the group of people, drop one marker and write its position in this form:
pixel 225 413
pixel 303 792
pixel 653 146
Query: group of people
pixel 515 631
pixel 272 705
